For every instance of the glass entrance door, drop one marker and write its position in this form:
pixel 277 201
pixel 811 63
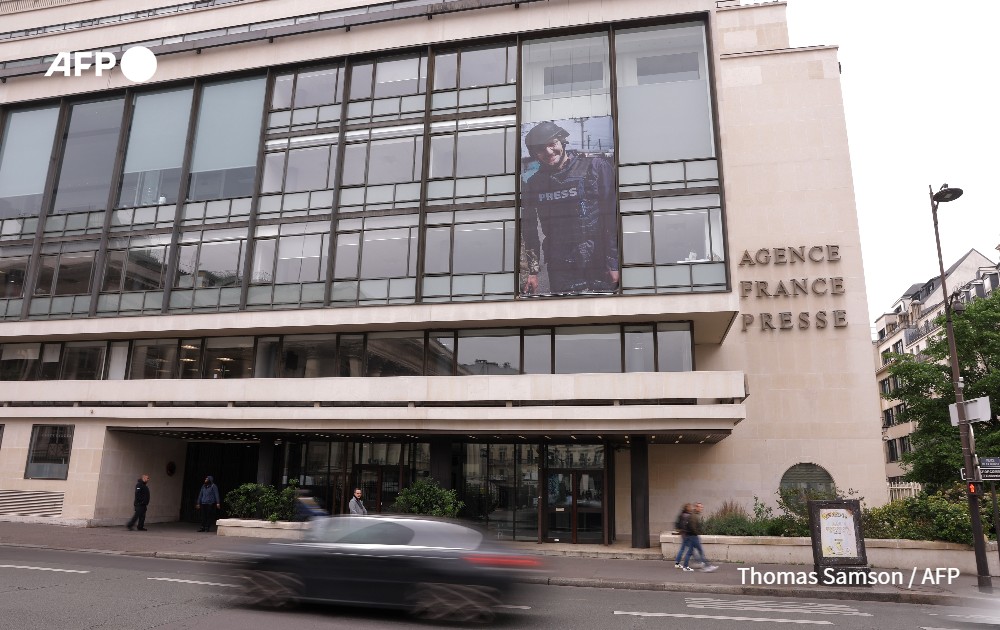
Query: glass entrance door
pixel 379 487
pixel 574 506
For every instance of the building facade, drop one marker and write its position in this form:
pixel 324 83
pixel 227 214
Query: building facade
pixel 907 328
pixel 581 261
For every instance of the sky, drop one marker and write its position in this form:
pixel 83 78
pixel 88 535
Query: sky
pixel 919 79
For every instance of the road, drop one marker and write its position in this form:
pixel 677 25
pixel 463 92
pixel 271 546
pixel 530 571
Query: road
pixel 66 590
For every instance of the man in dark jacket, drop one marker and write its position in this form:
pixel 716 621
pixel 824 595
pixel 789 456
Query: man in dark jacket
pixel 140 503
pixel 693 538
pixel 208 502
pixel 571 200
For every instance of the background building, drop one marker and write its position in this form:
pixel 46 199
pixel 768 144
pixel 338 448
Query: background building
pixel 322 246
pixel 907 329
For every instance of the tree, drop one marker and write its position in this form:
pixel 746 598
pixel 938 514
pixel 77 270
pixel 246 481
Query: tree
pixel 924 385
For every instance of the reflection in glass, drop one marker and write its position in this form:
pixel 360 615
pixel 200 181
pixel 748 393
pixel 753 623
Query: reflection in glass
pixel 25 149
pixel 224 158
pixel 229 357
pixel 309 356
pixel 565 77
pixel 350 355
pixel 440 354
pixel 190 360
pixel 538 351
pixel 153 358
pixel 155 148
pixel 588 349
pixel 395 354
pixel 83 360
pixel 664 110
pixel 89 157
pixel 19 361
pixel 674 346
pixel 488 352
pixel 49 450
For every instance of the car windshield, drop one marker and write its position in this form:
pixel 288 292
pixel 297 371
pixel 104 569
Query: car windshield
pixel 382 531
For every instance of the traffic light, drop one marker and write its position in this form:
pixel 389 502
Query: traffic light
pixel 975 488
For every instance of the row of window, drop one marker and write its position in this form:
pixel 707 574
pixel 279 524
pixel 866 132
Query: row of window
pixel 562 350
pixel 893 415
pixel 895 449
pixel 384 181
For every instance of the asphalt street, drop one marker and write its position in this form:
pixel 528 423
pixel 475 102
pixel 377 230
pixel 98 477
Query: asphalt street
pixel 70 590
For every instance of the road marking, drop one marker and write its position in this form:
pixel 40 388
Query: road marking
pixel 512 606
pixel 725 618
pixel 926 628
pixel 195 582
pixel 774 606
pixel 19 566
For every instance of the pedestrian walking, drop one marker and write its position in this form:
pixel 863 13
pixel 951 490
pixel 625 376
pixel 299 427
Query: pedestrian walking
pixel 140 503
pixel 681 526
pixel 356 506
pixel 208 503
pixel 693 537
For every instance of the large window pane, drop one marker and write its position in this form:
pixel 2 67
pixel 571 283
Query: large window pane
pixel 673 351
pixel 153 358
pixel 681 236
pixel 565 77
pixel 538 351
pixel 19 361
pixel 226 139
pixel 489 352
pixel 155 148
pixel 220 264
pixel 48 453
pixel 395 354
pixel 229 357
pixel 89 156
pixel 585 349
pixel 24 160
pixel 309 356
pixel 12 272
pixel 639 356
pixel 307 169
pixel 481 153
pixel 350 355
pixel 664 110
pixel 83 361
pixel 486 66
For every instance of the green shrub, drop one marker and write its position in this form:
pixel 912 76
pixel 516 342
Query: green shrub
pixel 261 501
pixel 940 516
pixel 427 497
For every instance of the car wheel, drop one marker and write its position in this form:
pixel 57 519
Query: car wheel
pixel 453 602
pixel 273 589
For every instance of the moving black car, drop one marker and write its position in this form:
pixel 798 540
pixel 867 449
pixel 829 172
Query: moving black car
pixel 436 569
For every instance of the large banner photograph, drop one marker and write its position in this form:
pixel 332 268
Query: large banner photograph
pixel 569 222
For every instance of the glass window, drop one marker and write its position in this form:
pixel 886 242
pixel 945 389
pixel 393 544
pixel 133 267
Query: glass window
pixel 190 359
pixel 68 273
pixel 307 169
pixel 441 354
pixel 351 354
pixel 538 351
pixel 395 354
pixel 153 358
pixel 48 452
pixel 12 272
pixel 224 159
pixel 588 349
pixel 664 110
pixel 89 157
pixel 803 482
pixel 155 148
pixel 484 66
pixel 565 77
pixel 445 71
pixel 674 347
pixel 266 363
pixel 19 361
pixel 482 153
pixel 317 87
pixel 393 161
pixel 83 360
pixel 48 369
pixel 639 355
pixel 229 357
pixel 24 160
pixel 489 352
pixel 682 236
pixel 479 247
pixel 309 356
pixel 398 77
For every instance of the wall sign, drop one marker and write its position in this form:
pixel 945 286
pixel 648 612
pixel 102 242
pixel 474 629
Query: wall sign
pixel 802 281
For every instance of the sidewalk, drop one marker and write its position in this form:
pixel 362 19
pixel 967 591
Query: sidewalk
pixel 616 566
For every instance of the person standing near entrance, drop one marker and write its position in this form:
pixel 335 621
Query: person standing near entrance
pixel 140 502
pixel 356 506
pixel 208 502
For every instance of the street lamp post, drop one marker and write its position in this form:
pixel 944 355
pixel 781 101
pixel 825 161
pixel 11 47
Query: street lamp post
pixel 946 194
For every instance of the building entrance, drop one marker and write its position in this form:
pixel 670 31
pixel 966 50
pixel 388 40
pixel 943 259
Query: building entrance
pixel 379 485
pixel 575 506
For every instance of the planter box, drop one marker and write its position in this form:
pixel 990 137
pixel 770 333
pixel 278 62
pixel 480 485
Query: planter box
pixel 262 529
pixel 882 554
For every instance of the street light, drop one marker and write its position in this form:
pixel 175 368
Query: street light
pixel 943 195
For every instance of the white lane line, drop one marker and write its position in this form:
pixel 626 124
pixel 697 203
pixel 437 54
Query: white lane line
pixel 512 606
pixel 19 566
pixel 725 618
pixel 774 606
pixel 926 628
pixel 195 582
